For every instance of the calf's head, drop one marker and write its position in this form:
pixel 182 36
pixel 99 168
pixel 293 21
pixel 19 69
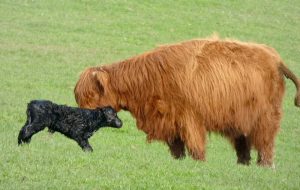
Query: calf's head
pixel 110 117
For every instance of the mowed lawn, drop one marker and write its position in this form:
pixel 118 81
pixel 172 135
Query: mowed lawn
pixel 44 45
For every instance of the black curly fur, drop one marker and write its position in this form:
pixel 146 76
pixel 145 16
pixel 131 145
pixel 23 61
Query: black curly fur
pixel 75 123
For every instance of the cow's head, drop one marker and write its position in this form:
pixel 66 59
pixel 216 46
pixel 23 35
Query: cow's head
pixel 93 89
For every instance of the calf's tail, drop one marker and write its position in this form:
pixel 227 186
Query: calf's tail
pixel 290 75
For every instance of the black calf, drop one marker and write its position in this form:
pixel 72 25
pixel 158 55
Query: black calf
pixel 75 123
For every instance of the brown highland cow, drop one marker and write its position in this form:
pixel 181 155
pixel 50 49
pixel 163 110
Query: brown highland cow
pixel 178 93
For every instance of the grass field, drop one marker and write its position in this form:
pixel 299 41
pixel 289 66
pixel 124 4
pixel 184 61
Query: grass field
pixel 44 45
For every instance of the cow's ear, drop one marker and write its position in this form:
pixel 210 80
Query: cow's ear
pixel 86 87
pixel 101 78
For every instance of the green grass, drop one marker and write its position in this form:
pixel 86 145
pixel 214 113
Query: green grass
pixel 45 44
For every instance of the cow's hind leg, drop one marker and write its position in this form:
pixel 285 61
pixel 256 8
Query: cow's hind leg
pixel 177 148
pixel 265 154
pixel 243 148
pixel 263 137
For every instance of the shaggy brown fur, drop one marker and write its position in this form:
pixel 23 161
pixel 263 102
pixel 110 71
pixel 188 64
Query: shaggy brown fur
pixel 178 93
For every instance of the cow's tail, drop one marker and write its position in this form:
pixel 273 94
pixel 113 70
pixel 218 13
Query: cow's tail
pixel 290 75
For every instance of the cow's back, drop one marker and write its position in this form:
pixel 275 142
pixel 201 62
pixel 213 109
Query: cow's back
pixel 232 83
